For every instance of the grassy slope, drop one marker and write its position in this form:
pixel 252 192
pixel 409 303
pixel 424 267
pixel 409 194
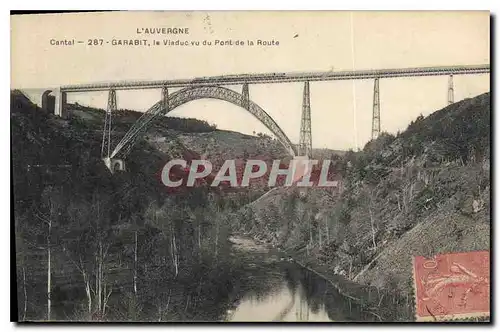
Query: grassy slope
pixel 408 195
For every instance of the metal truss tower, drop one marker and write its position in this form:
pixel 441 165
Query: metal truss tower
pixel 106 135
pixel 376 110
pixel 245 102
pixel 164 99
pixel 305 141
pixel 451 91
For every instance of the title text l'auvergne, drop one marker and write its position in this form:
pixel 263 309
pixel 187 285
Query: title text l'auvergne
pixel 163 31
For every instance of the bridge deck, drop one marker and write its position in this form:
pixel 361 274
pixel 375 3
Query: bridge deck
pixel 283 77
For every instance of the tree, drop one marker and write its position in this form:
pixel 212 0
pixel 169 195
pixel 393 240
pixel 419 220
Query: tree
pixel 163 219
pixel 22 252
pixel 371 205
pixel 86 242
pixel 48 216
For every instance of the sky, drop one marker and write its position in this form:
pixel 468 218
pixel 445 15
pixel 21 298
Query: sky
pixel 341 111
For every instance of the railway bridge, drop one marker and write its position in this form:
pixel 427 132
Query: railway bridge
pixel 216 87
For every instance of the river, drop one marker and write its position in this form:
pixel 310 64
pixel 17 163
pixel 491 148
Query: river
pixel 274 288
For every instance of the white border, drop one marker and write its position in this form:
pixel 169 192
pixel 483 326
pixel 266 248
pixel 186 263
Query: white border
pixel 265 5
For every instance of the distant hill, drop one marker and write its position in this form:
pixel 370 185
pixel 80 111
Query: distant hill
pixel 197 135
pixel 325 153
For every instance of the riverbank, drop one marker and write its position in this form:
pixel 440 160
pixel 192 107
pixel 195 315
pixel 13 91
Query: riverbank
pixel 383 304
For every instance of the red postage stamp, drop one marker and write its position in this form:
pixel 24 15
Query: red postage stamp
pixel 452 286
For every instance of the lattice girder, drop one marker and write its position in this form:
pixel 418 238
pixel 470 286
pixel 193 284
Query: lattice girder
pixel 183 96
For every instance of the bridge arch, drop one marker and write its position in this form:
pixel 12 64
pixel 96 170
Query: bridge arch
pixel 188 94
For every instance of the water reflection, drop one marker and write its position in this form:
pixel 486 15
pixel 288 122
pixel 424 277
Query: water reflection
pixel 261 286
pixel 288 293
pixel 284 304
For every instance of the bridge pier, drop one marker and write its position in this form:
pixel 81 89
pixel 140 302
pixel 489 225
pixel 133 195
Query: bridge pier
pixel 164 99
pixel 451 91
pixel 245 95
pixel 47 101
pixel 376 110
pixel 59 105
pixel 305 140
pixel 114 164
pixel 106 134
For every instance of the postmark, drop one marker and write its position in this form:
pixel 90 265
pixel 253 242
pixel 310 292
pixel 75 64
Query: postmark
pixel 452 286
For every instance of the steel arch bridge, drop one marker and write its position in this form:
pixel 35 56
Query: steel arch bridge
pixel 213 87
pixel 178 98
